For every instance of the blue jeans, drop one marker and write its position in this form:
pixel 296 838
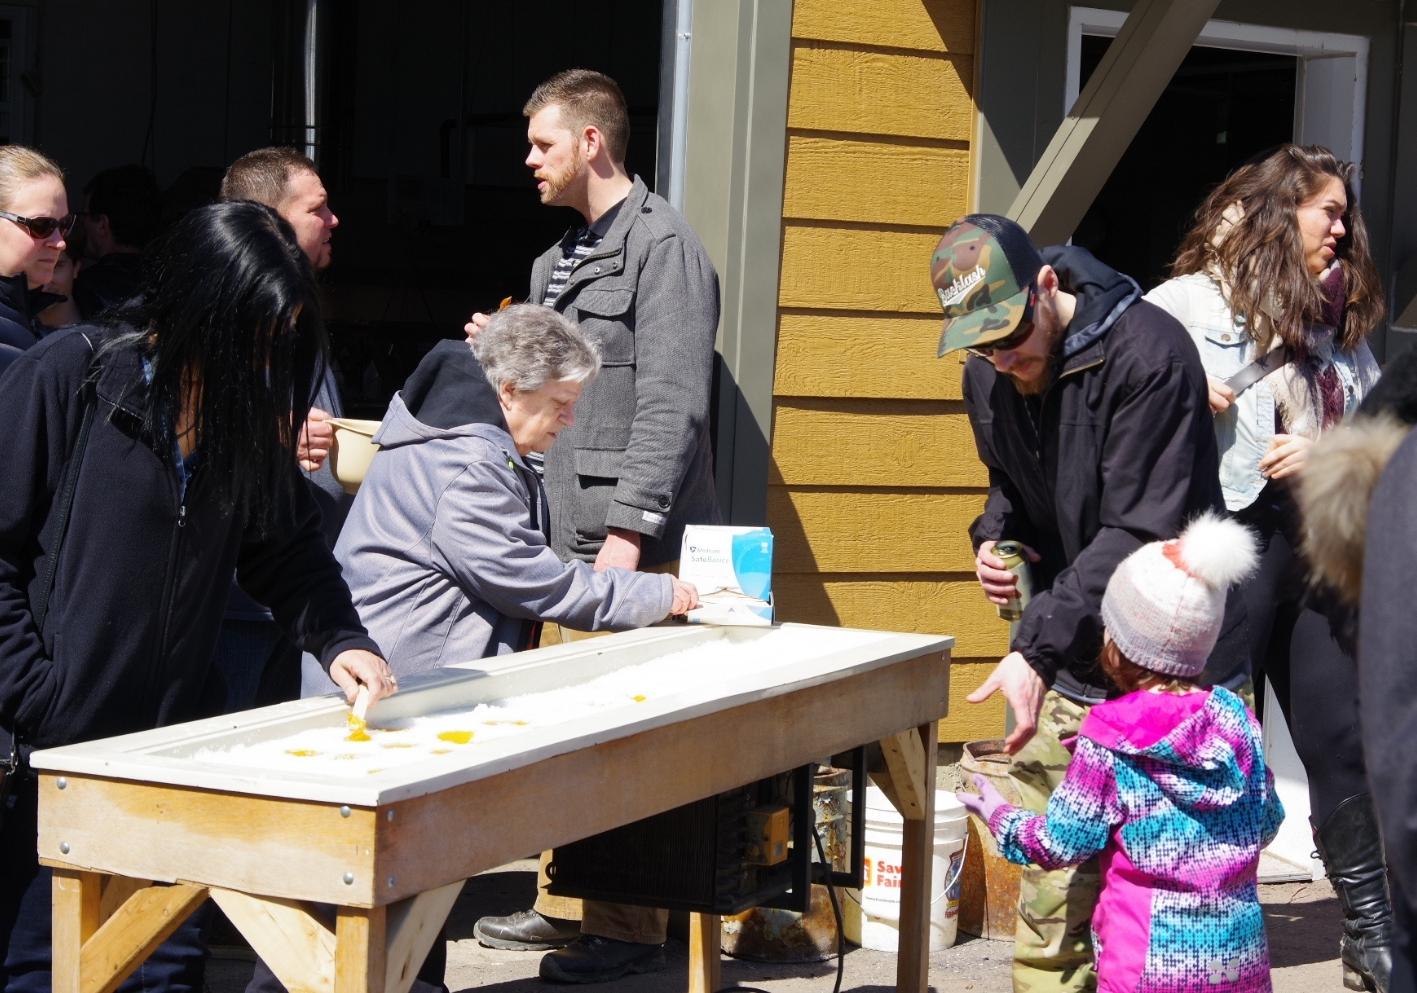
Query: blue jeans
pixel 178 965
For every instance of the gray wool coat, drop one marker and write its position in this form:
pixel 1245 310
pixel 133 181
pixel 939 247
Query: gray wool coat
pixel 638 456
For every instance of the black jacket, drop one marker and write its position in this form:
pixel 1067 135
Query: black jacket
pixel 1117 452
pixel 143 573
pixel 17 331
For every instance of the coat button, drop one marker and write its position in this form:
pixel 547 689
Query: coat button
pixel 596 269
pixel 664 502
pixel 1225 337
pixel 646 210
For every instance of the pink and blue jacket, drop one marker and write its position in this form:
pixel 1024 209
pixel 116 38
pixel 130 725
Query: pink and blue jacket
pixel 1173 792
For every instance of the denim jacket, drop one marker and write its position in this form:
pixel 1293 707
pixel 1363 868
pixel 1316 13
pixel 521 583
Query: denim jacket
pixel 1244 432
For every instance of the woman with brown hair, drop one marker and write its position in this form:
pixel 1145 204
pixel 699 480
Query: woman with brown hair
pixel 1275 284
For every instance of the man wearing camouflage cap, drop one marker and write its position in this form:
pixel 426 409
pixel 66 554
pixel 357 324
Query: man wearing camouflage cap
pixel 1089 409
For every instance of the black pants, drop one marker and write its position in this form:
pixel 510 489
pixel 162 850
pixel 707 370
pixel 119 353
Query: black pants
pixel 1299 642
pixel 177 966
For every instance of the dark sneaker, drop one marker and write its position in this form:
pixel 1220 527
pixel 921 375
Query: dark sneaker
pixel 526 931
pixel 593 959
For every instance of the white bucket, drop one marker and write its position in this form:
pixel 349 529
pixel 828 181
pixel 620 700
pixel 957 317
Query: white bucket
pixel 872 914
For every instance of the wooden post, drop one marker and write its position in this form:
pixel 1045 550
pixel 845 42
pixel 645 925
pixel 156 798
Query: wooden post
pixel 917 851
pixel 293 942
pixel 705 964
pixel 361 949
pixel 413 926
pixel 77 897
pixel 1125 86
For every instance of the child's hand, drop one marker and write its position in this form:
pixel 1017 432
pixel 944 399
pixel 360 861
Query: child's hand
pixel 985 802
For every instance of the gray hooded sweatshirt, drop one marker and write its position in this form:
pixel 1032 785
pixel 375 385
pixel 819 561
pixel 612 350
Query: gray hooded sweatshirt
pixel 445 549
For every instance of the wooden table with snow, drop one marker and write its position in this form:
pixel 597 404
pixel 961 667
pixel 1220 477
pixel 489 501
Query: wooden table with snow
pixel 272 810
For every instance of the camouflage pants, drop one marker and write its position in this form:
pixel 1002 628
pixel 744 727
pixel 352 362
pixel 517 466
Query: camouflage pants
pixel 1053 940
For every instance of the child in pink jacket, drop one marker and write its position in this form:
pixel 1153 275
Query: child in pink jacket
pixel 1167 782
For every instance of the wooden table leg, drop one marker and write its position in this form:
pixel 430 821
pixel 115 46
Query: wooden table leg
pixel 77 898
pixel 917 851
pixel 705 962
pixel 361 949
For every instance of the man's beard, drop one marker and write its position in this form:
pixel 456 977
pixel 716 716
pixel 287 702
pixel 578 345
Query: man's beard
pixel 556 185
pixel 1035 387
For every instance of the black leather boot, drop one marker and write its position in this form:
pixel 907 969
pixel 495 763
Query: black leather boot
pixel 1352 854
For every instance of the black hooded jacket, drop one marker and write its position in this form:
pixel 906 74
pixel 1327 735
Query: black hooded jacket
pixel 17 330
pixel 1117 452
pixel 143 572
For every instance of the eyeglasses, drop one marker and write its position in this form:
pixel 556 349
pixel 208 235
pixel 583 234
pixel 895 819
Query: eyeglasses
pixel 1020 334
pixel 43 227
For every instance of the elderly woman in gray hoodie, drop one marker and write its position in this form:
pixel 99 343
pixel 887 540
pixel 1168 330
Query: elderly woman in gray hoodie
pixel 445 548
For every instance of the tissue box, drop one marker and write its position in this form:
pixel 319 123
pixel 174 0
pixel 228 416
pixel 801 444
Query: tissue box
pixel 732 568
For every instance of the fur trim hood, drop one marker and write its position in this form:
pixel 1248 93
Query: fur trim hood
pixel 1334 491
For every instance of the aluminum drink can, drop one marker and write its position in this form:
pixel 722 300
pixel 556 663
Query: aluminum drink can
pixel 1012 554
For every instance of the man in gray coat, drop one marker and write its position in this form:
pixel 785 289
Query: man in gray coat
pixel 637 465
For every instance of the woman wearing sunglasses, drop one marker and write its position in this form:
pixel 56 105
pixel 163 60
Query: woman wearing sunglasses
pixel 34 221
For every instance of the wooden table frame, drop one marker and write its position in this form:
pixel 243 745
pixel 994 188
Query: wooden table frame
pixel 393 872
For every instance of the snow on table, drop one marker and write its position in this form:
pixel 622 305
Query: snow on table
pixel 406 741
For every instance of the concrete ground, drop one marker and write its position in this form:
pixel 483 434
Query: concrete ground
pixel 1303 920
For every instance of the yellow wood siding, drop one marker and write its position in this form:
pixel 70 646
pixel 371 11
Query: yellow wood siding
pixel 944 26
pixel 881 443
pixel 826 354
pixel 866 181
pixel 837 88
pixel 875 477
pixel 863 269
pixel 871 532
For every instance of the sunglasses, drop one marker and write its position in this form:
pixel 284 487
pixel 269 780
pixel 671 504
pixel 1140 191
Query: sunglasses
pixel 43 227
pixel 1020 334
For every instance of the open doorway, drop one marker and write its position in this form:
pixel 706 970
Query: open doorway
pixel 1241 89
pixel 1220 109
pixel 424 160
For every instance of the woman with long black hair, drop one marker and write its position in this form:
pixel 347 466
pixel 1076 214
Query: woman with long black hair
pixel 145 461
pixel 1276 286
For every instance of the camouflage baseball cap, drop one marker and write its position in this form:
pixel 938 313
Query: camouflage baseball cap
pixel 982 269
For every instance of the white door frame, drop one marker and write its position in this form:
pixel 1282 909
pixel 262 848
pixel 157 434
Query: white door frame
pixel 1328 110
pixel 1333 71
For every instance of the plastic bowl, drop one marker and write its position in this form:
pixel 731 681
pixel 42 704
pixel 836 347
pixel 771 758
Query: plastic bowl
pixel 353 450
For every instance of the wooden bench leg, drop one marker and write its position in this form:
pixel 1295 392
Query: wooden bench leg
pixel 705 961
pixel 361 949
pixel 77 897
pixel 918 842
pixel 93 951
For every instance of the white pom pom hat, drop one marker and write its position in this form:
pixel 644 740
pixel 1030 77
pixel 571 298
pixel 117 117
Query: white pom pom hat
pixel 1165 603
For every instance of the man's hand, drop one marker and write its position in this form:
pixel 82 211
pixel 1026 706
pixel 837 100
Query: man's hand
pixel 474 326
pixel 1023 691
pixel 686 597
pixel 355 668
pixel 1221 396
pixel 1000 585
pixel 317 435
pixel 620 551
pixel 1286 456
